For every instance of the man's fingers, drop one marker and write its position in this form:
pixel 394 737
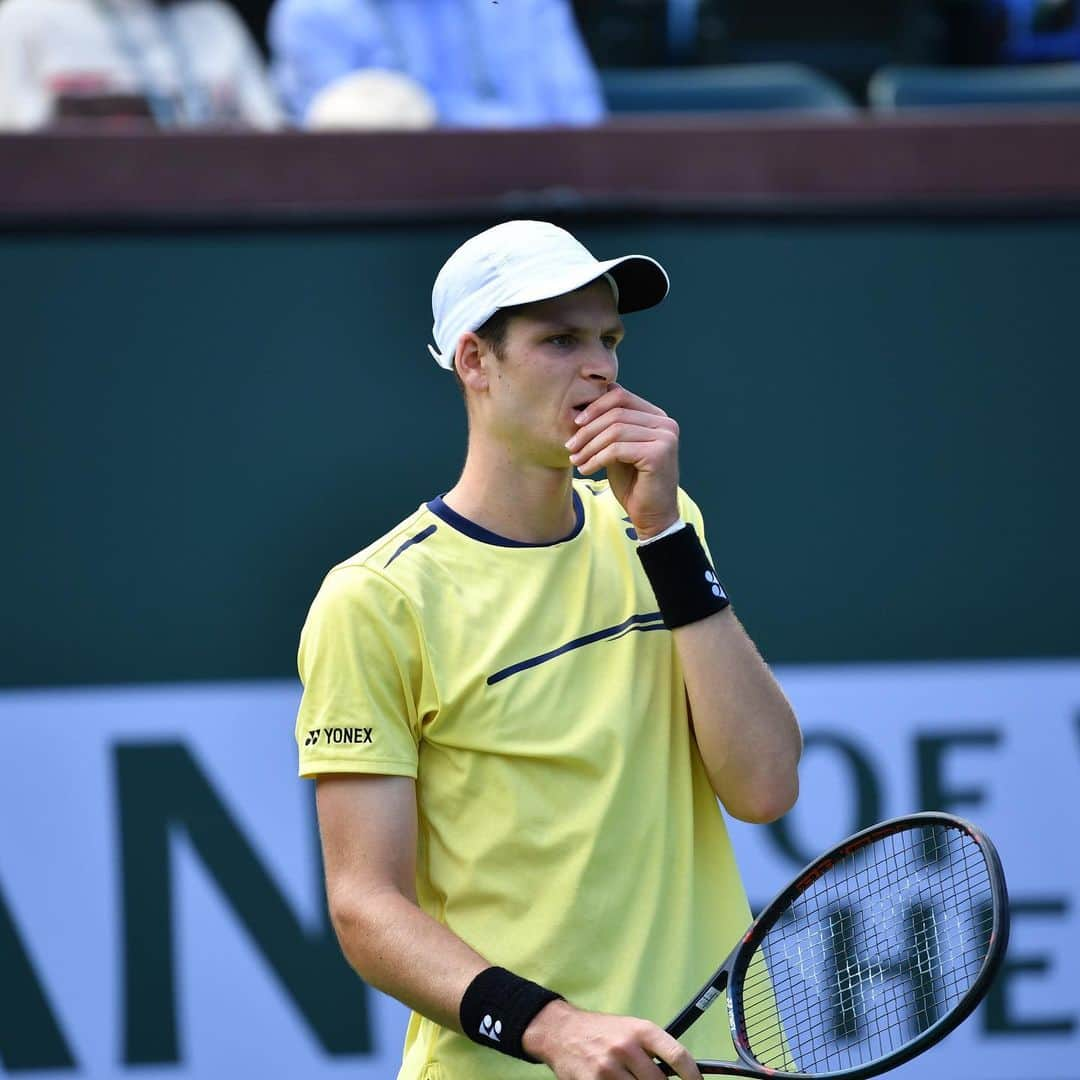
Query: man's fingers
pixel 644 450
pixel 637 417
pixel 641 1066
pixel 673 1053
pixel 619 395
pixel 615 397
pixel 618 433
pixel 637 1055
pixel 596 1046
pixel 616 454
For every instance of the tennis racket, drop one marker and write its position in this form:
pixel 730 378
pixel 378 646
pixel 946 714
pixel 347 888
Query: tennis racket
pixel 874 953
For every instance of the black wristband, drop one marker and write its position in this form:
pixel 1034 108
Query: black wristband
pixel 498 1006
pixel 682 578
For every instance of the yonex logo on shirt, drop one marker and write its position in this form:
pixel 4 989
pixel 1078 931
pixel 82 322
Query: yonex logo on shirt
pixel 492 1029
pixel 339 736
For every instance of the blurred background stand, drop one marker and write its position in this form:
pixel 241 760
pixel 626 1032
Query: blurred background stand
pixel 843 39
pixel 894 88
pixel 736 88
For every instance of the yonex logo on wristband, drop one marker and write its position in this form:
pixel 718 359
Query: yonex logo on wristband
pixel 518 1001
pixel 717 588
pixel 677 566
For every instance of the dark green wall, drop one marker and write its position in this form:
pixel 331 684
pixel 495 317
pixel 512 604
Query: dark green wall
pixel 879 421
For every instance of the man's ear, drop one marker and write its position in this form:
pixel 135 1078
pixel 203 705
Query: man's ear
pixel 471 359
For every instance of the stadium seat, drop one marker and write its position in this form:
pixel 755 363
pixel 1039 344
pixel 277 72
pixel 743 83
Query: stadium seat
pixel 739 88
pixel 893 88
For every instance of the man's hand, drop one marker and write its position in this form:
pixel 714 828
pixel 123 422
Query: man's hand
pixel 578 1045
pixel 638 444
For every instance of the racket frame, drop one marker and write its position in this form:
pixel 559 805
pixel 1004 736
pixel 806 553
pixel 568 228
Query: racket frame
pixel 729 975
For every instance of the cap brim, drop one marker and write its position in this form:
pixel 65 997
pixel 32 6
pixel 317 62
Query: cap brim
pixel 642 283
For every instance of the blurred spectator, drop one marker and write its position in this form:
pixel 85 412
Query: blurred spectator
pixel 987 32
pixel 188 63
pixel 484 63
pixel 1041 30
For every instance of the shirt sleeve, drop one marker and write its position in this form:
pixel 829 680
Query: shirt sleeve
pixel 367 680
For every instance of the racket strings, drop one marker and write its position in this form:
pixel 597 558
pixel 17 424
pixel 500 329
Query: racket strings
pixel 858 983
pixel 873 953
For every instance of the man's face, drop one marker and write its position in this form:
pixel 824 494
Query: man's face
pixel 558 355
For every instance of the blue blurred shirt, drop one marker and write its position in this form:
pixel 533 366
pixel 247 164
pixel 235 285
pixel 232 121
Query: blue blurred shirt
pixel 1023 43
pixel 486 63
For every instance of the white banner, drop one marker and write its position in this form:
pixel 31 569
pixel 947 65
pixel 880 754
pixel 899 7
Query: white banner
pixel 997 743
pixel 161 913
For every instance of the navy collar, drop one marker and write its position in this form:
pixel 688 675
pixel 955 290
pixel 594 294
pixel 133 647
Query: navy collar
pixel 477 532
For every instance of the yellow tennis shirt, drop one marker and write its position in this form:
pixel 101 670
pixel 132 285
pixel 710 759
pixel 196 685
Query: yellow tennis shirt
pixel 567 829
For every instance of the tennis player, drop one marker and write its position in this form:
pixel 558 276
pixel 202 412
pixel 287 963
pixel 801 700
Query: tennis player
pixel 522 702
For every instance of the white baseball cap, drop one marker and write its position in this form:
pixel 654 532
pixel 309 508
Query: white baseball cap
pixel 520 262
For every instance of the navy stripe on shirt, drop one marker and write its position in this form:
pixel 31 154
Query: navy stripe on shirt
pixel 653 620
pixel 419 538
